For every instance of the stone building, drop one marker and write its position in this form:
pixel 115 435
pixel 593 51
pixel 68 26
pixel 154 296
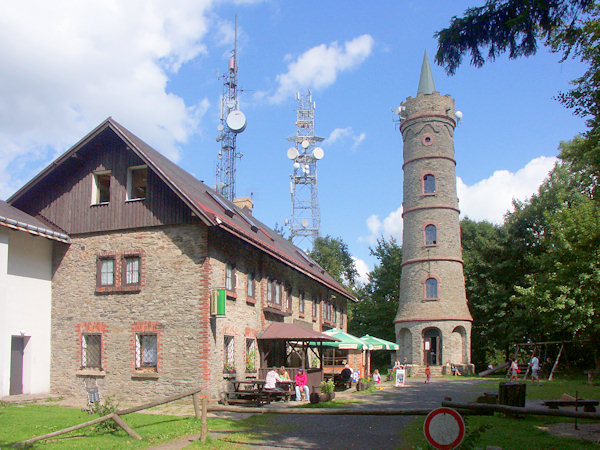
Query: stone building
pixel 150 248
pixel 433 323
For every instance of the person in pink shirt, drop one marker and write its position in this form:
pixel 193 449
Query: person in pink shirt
pixel 301 380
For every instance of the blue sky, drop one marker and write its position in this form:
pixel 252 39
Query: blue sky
pixel 153 65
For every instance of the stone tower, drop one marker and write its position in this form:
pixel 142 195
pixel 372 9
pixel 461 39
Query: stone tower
pixel 433 323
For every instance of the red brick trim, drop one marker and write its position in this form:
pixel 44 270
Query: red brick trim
pixel 119 276
pixel 435 319
pixel 419 158
pixel 250 333
pixel 419 208
pixel 433 258
pixel 92 327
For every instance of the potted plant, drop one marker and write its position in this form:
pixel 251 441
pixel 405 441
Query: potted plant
pixel 251 361
pixel 229 368
pixel 327 391
pixel 363 383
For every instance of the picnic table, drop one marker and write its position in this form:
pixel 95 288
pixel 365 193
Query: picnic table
pixel 254 392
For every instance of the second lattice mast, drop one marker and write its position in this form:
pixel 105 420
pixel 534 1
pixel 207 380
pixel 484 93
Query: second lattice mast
pixel 305 224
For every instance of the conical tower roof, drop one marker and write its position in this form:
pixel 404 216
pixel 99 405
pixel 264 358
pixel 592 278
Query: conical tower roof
pixel 426 84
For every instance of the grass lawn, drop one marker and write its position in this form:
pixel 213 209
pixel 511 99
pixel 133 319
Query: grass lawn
pixel 21 422
pixel 503 432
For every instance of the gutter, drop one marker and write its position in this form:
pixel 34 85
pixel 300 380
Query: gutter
pixel 45 232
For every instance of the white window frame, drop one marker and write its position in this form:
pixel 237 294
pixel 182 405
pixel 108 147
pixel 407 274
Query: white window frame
pixel 132 274
pixel 96 187
pixel 140 347
pixel 104 261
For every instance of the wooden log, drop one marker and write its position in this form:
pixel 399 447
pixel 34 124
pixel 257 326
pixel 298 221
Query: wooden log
pixel 64 430
pixel 196 399
pixel 169 399
pixel 485 373
pixel 126 427
pixel 523 411
pixel 204 428
pixel 324 411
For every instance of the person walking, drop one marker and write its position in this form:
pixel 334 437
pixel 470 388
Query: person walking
pixel 535 369
pixel 428 374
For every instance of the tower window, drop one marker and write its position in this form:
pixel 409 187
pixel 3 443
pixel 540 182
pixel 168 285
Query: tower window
pixel 429 184
pixel 430 235
pixel 431 288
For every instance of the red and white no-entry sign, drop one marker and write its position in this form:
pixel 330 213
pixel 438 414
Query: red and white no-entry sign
pixel 444 428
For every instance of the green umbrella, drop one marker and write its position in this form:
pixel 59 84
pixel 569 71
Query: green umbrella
pixel 379 344
pixel 346 341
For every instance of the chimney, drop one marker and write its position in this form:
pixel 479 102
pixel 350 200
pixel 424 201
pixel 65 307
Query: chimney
pixel 244 203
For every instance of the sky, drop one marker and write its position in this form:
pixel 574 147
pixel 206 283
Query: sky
pixel 153 66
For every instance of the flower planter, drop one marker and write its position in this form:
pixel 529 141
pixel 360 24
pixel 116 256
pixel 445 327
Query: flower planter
pixel 326 397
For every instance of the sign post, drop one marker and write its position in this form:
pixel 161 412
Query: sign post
pixel 444 428
pixel 400 377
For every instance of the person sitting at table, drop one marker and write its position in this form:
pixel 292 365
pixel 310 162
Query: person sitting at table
pixel 271 381
pixel 301 379
pixel 283 374
pixel 346 373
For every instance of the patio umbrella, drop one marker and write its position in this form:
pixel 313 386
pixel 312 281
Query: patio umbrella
pixel 346 341
pixel 379 344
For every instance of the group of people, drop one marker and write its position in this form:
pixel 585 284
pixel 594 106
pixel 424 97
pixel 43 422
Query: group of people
pixel 282 376
pixel 534 365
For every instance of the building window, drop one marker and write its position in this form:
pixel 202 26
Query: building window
pixel 430 235
pixel 429 184
pixel 91 350
pixel 229 355
pixel 333 314
pixel 137 181
pixel 106 271
pixel 250 286
pixel 251 355
pixel 341 318
pixel 229 277
pixel 269 291
pixel 288 303
pixel 301 303
pixel 314 307
pixel 277 293
pixel 131 266
pixel 101 187
pixel 146 351
pixel 431 288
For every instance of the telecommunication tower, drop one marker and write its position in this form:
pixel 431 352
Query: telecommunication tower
pixel 233 122
pixel 305 224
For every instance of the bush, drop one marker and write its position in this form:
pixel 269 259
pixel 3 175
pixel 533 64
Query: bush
pixel 327 386
pixel 103 409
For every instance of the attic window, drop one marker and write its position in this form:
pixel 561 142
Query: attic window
pixel 101 187
pixel 137 181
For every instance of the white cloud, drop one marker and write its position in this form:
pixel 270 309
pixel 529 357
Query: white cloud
pixel 66 66
pixel 320 66
pixel 491 198
pixel 488 199
pixel 343 134
pixel 363 270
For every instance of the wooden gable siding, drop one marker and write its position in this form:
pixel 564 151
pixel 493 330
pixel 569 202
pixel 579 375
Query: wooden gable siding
pixel 65 196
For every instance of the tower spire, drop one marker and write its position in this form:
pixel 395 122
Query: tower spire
pixel 426 84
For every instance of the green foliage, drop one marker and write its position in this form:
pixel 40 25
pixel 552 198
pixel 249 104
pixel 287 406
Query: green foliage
pixel 108 406
pixel 327 386
pixel 332 254
pixel 507 26
pixel 251 361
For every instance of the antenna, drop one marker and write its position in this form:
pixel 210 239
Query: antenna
pixel 232 122
pixel 305 224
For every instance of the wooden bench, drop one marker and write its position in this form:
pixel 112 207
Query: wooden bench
pixel 256 397
pixel 591 374
pixel 588 405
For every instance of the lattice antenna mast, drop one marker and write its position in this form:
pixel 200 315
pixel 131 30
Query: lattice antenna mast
pixel 232 123
pixel 305 224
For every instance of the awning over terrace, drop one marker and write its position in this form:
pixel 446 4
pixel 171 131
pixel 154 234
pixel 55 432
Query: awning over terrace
pixel 293 332
pixel 379 344
pixel 345 341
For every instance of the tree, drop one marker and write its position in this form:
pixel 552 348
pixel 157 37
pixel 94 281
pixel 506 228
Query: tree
pixel 333 255
pixel 513 26
pixel 378 300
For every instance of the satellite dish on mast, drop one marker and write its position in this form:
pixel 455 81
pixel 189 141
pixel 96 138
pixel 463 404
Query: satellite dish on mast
pixel 318 153
pixel 305 143
pixel 236 121
pixel 304 223
pixel 292 153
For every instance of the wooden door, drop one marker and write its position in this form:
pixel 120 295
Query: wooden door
pixel 17 346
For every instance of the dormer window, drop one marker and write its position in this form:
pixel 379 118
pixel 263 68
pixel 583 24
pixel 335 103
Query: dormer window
pixel 137 182
pixel 101 187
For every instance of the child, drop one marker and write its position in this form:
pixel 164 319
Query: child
pixel 427 374
pixel 376 376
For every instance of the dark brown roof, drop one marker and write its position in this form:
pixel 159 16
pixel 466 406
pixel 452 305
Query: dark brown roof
pixel 210 207
pixel 16 219
pixel 293 332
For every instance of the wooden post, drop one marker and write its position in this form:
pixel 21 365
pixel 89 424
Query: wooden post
pixel 204 428
pixel 555 363
pixel 126 427
pixel 196 399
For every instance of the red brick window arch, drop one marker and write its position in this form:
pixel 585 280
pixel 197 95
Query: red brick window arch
pixel 430 235
pixel 147 346
pixel 431 286
pixel 429 184
pixel 91 337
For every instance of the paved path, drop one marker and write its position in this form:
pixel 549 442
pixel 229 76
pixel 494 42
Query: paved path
pixel 356 432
